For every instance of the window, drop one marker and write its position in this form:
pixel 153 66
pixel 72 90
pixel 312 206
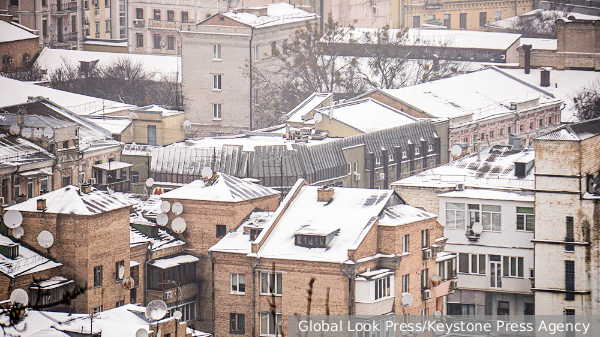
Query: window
pixel 349 168
pixel 492 134
pixel 501 132
pixel 157 41
pixel 120 303
pixel 416 21
pixel 151 134
pixel 44 184
pixel 107 26
pixel 273 48
pixel 463 20
pixel 425 238
pixel 447 21
pixel 270 323
pixel 491 217
pixel 184 16
pixel 161 279
pixel 472 263
pixel 135 177
pixel 541 121
pixel 98 309
pixel 521 127
pixel 569 280
pixel 497 15
pixel 139 13
pixel 221 231
pixel 30 188
pixel 482 19
pixel 405 283
pixel 531 125
pixel 355 166
pixel 86 4
pixel 405 243
pixel 73 24
pixel 98 276
pixel 238 283
pixel 44 2
pixel 447 269
pixel 217 82
pixel 503 308
pixel 14 2
pixel 525 219
pixel 569 312
pixel 461 309
pixel 97 30
pixel 512 266
pixel 66 181
pixel 237 323
pixel 270 283
pixel 403 154
pixel 217 108
pixel 570 235
pixel 378 160
pixel 529 308
pixel 382 287
pixel 417 151
pixel 170 16
pixel 391 157
pixel 455 215
pixel 170 42
pixel 425 279
pixel 550 120
pixel 311 241
pixel 157 14
pixel 45 28
pixel 256 53
pixel 216 51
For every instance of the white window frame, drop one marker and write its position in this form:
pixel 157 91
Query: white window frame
pixel 525 217
pixel 349 165
pixel 405 283
pixel 217 111
pixel 217 82
pixel 452 213
pixel 391 157
pixel 474 262
pixel 236 281
pixel 271 289
pixel 47 182
pixel 266 317
pixel 383 287
pixel 417 151
pixel 491 227
pixel 216 52
pixel 517 260
pixel 256 54
pixel 406 243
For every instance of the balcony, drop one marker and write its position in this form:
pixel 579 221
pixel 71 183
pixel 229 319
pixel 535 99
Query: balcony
pixel 60 8
pixel 116 186
pixel 62 39
pixel 164 24
pixel 433 4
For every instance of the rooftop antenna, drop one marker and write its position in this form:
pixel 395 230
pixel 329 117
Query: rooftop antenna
pixel 178 225
pixel 156 310
pixel 13 219
pixel 45 239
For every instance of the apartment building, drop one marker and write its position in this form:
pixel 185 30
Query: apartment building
pixel 219 56
pixel 566 202
pixel 359 251
pixel 486 206
pixel 104 19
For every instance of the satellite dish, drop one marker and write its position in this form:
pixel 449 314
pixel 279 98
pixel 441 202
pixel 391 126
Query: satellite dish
pixel 19 296
pixel 436 280
pixel 456 150
pixel 149 182
pixel 156 310
pixel 38 133
pixel 477 228
pixel 177 314
pixel 45 239
pixel 318 117
pixel 207 172
pixel 48 132
pixel 162 219
pixel 121 272
pixel 128 282
pixel 187 125
pixel 14 129
pixel 177 208
pixel 159 333
pixel 18 232
pixel 141 333
pixel 165 206
pixel 178 225
pixel 13 219
pixel 26 132
pixel 407 299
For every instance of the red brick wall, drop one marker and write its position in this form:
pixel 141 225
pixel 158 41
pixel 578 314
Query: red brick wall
pixel 17 49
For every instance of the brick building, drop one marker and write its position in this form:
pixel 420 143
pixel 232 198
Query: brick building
pixel 363 248
pixel 91 239
pixel 18 46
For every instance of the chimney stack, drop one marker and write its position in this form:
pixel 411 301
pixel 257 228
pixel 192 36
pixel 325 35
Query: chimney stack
pixel 325 193
pixel 86 188
pixel 545 77
pixel 41 204
pixel 21 198
pixel 527 51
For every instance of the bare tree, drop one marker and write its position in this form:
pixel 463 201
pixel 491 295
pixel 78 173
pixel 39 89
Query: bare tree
pixel 29 73
pixel 587 101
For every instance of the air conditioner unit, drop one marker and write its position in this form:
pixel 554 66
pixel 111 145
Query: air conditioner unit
pixel 460 187
pixel 93 181
pixel 454 284
pixel 426 294
pixel 2 200
pixel 356 176
pixel 168 295
pixel 427 254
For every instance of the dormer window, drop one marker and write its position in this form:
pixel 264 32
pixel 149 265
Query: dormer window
pixel 309 238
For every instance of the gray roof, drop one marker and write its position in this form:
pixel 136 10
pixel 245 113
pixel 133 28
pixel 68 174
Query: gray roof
pixel 15 151
pixel 575 132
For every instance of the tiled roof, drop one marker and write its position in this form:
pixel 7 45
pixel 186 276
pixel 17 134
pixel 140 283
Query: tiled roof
pixel 576 131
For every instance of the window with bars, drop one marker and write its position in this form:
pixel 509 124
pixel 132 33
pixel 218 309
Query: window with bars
pixel 570 280
pixel 570 237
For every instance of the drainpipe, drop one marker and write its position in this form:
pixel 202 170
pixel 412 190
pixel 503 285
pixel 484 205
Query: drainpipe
pixel 213 291
pixel 254 296
pixel 148 260
pixel 350 282
pixel 251 73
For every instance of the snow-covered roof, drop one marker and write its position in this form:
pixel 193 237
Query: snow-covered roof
pixel 485 194
pixel 28 261
pixel 351 210
pixel 39 324
pixel 52 282
pixel 162 65
pixel 10 32
pixel 540 44
pixel 116 125
pixel 495 168
pixel 16 151
pixel 162 241
pixel 148 206
pixel 367 115
pixel 575 132
pixel 224 188
pixel 277 14
pixel 68 200
pixel 16 92
pixel 481 93
pixel 155 109
pixel 169 262
pixel 299 113
pixel 540 21
pixel 238 241
pixel 403 214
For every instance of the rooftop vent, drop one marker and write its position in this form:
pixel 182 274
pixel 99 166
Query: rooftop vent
pixel 9 250
pixel 325 194
pixel 86 188
pixel 41 204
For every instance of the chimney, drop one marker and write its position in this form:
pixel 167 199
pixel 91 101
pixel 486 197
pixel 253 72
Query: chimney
pixel 86 188
pixel 527 51
pixel 21 198
pixel 545 77
pixel 325 193
pixel 41 204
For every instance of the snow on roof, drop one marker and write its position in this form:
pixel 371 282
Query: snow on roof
pixel 16 92
pixel 277 14
pixel 10 32
pixel 113 124
pixel 576 131
pixel 564 84
pixel 28 261
pixel 495 168
pixel 224 188
pixel 106 43
pixel 162 241
pixel 53 282
pixel 539 20
pixel 68 200
pixel 112 165
pixel 148 206
pixel 156 109
pixel 162 65
pixel 443 256
pixel 403 214
pixel 248 143
pixel 16 151
pixel 238 241
pixel 351 211
pixel 490 195
pixel 312 102
pixel 34 121
pixel 540 44
pixel 481 93
pixel 367 115
pixel 39 324
pixel 166 263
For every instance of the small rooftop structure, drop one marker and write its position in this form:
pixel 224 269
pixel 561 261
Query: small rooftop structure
pixel 304 111
pixel 269 15
pixel 25 262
